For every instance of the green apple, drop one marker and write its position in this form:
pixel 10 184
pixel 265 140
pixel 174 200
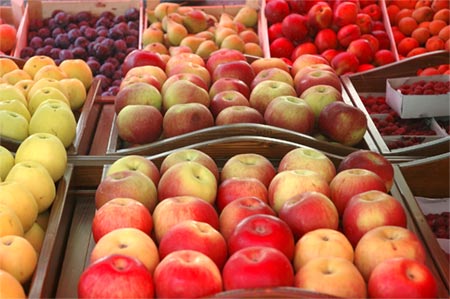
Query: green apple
pixel 35 235
pixel 47 149
pixel 35 177
pixel 21 201
pixel 11 92
pixel 56 118
pixel 13 125
pixel 6 162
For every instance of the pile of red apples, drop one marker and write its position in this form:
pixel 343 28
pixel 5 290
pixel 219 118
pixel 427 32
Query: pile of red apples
pixel 351 35
pixel 187 229
pixel 188 93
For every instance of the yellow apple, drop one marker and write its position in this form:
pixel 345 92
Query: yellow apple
pixel 7 65
pixel 11 287
pixel 35 235
pixel 9 222
pixel 56 118
pixel 10 92
pixel 35 63
pixel 16 106
pixel 13 125
pixel 15 76
pixel 6 162
pixel 43 218
pixel 76 91
pixel 21 201
pixel 78 68
pixel 45 82
pixel 46 93
pixel 35 177
pixel 47 149
pixel 25 86
pixel 17 257
pixel 50 71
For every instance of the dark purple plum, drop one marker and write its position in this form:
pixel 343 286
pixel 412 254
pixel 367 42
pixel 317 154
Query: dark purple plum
pixel 54 53
pixel 49 41
pixel 57 31
pixel 61 18
pixel 36 42
pixel 62 41
pixel 94 65
pixel 44 32
pixel 82 42
pixel 79 53
pixel 27 52
pixel 65 54
pixel 90 33
pixel 83 16
pixel 132 14
pixel 74 34
pixel 107 69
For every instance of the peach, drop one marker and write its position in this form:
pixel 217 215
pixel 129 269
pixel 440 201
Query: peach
pixel 429 71
pixel 410 4
pixel 422 3
pixel 405 12
pixel 444 33
pixel 397 35
pixel 422 14
pixel 416 51
pixel 421 35
pixel 392 10
pixel 425 24
pixel 8 37
pixel 436 26
pixel 406 45
pixel 434 43
pixel 407 25
pixel 443 14
pixel 437 5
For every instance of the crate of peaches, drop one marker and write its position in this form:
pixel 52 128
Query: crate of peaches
pixel 10 17
pixel 245 205
pixel 425 134
pixel 101 33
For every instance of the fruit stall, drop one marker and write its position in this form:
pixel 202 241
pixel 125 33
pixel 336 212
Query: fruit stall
pixel 224 149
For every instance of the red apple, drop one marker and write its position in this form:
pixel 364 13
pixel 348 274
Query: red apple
pixel 295 27
pixel 276 10
pixel 269 62
pixel 383 39
pixel 274 31
pixel 326 39
pixel 320 95
pixel 292 113
pixel 195 272
pixel 345 13
pixel 281 47
pixel 402 277
pixel 288 183
pixel 362 50
pixel 273 73
pixel 307 211
pixel 262 230
pixel 345 63
pixel 265 91
pixel 188 178
pixel 372 161
pixel 174 210
pixel 321 242
pixel 233 188
pixel 343 123
pixel 184 91
pixel 303 81
pixel 320 16
pixel 117 276
pixel 195 235
pixel 127 241
pixel 225 84
pixel 239 114
pixel 347 34
pixel 303 48
pixel 383 57
pixel 226 99
pixel 140 57
pixel 306 60
pixel 239 209
pixel 374 11
pixel 121 212
pixel 257 267
pixel 136 163
pixel 139 93
pixel 329 54
pixel 310 159
pixel 385 242
pixel 127 183
pixel 350 182
pixel 222 56
pixel 139 124
pixel 184 118
pixel 368 210
pixel 333 276
pixel 248 165
pixel 239 69
pixel 189 154
pixel 194 78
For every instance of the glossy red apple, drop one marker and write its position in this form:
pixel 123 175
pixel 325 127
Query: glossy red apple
pixel 185 118
pixel 345 13
pixel 225 84
pixel 362 50
pixel 295 27
pixel 303 81
pixel 226 99
pixel 276 10
pixel 320 16
pixel 281 47
pixel 326 39
pixel 239 69
pixel 222 56
pixel 239 114
pixel 257 267
pixel 347 34
pixel 140 57
pixel 233 188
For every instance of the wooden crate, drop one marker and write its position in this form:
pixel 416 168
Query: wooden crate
pixel 84 130
pixel 80 242
pixel 427 177
pixel 374 82
pixel 106 140
pixel 12 14
pixel 45 278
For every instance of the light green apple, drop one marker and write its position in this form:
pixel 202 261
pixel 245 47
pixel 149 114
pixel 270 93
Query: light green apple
pixel 13 125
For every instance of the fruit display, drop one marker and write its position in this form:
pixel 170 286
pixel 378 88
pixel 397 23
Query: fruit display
pixel 10 17
pixel 351 35
pixel 101 37
pixel 42 97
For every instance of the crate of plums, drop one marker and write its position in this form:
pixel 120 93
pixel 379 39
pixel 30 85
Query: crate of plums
pixel 99 32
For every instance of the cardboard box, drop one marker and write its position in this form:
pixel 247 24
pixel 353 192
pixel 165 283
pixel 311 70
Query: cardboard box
pixel 417 106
